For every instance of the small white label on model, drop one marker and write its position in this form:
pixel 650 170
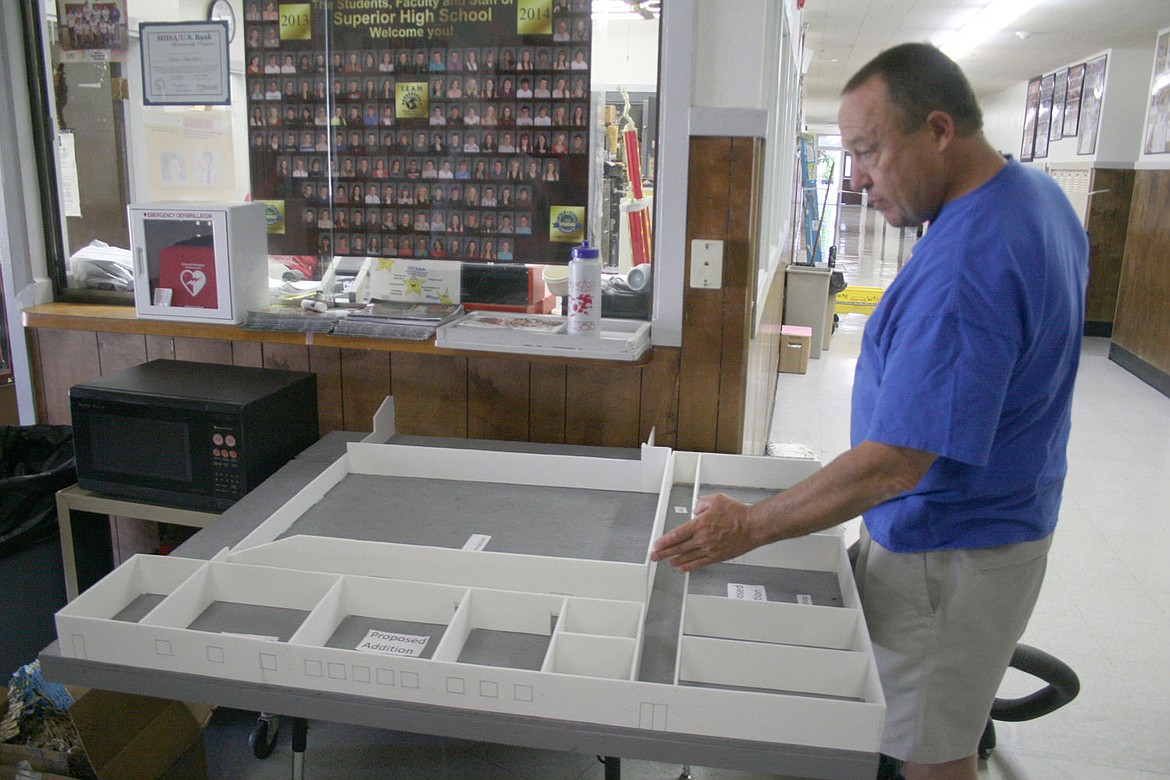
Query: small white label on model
pixel 388 643
pixel 804 598
pixel 746 592
pixel 476 542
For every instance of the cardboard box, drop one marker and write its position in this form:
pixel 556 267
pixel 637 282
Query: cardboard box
pixel 795 344
pixel 126 737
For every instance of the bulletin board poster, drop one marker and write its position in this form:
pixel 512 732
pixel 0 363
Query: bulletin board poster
pixel 421 128
pixel 92 30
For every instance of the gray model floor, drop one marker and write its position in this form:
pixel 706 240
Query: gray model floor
pixel 605 525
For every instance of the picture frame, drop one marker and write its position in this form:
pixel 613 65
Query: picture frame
pixel 185 63
pixel 1072 100
pixel 1031 109
pixel 1044 117
pixel 1059 92
pixel 1092 97
pixel 1157 134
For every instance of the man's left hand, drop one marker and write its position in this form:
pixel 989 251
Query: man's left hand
pixel 719 530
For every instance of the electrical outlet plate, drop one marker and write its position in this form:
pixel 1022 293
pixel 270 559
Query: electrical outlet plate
pixel 706 264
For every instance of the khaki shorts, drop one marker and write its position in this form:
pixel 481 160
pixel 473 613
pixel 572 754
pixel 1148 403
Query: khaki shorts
pixel 944 625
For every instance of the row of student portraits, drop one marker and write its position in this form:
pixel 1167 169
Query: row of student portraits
pixel 428 246
pixel 469 143
pixel 514 169
pixel 486 100
pixel 461 59
pixel 378 114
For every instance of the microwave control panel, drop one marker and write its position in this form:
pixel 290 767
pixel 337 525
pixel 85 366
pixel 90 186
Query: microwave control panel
pixel 226 461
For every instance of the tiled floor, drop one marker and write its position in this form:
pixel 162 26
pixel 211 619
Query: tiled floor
pixel 1105 607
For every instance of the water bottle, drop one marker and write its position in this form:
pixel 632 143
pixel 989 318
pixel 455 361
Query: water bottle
pixel 585 291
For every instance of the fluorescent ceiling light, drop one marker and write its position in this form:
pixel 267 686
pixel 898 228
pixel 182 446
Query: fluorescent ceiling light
pixel 997 15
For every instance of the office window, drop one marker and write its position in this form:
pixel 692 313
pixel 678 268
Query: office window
pixel 461 133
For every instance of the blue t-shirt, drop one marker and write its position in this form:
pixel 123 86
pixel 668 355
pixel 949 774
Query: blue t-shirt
pixel 971 355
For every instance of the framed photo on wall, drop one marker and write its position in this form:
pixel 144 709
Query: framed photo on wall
pixel 1044 117
pixel 1059 90
pixel 1092 95
pixel 1072 100
pixel 1158 114
pixel 1031 108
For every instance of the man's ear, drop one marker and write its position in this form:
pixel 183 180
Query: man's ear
pixel 942 129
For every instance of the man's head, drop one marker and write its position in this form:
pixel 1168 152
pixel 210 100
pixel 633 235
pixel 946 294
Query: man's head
pixel 913 125
pixel 921 79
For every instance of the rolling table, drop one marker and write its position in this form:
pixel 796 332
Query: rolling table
pixel 661 634
pixel 77 497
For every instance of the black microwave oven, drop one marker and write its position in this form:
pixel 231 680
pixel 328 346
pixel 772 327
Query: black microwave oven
pixel 190 435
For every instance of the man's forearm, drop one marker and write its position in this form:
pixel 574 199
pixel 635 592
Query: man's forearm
pixel 851 484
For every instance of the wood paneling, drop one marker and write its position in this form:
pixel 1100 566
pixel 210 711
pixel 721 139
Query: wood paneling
pixel 603 405
pixel 117 351
pixel 1107 222
pixel 289 357
pixel 497 399
pixel 430 394
pixel 660 404
pixel 1143 298
pixel 64 358
pixel 365 383
pixel 203 350
pixel 709 184
pixel 160 347
pixel 740 247
pixel 325 362
pixel 546 402
pixel 722 204
pixel 247 353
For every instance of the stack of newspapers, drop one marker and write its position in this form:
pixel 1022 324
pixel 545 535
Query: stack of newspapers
pixel 397 320
pixel 293 318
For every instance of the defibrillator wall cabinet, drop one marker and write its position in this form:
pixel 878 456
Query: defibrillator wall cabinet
pixel 199 262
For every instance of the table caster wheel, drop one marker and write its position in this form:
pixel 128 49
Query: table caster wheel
pixel 262 740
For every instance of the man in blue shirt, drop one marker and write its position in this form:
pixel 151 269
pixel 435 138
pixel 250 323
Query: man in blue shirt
pixel 961 410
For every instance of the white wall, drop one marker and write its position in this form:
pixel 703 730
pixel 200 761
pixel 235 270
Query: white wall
pixel 1003 118
pixel 630 56
pixel 730 46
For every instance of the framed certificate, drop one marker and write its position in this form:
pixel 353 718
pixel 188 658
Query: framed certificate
pixel 185 64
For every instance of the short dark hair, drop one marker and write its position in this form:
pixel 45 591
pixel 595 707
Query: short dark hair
pixel 921 79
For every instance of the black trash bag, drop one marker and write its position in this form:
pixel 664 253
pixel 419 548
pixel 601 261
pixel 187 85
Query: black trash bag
pixel 35 462
pixel 837 282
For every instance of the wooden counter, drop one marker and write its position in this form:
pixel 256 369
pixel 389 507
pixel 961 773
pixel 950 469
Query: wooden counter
pixel 437 392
